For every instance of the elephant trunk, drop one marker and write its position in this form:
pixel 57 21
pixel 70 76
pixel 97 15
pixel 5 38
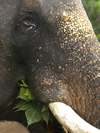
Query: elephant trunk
pixel 70 120
pixel 80 61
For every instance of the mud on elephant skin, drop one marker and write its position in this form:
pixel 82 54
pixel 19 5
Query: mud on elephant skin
pixel 53 45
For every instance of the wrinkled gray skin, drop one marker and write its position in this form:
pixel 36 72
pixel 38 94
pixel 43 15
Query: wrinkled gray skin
pixel 53 45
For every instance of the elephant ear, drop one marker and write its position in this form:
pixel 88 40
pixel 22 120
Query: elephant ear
pixel 70 120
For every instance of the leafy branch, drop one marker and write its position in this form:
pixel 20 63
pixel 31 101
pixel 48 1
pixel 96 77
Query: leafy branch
pixel 34 111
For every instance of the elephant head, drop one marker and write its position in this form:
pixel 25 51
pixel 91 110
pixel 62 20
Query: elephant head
pixel 53 45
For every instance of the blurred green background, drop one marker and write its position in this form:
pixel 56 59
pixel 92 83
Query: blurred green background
pixel 92 8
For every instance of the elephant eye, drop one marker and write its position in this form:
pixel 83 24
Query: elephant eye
pixel 29 23
pixel 26 24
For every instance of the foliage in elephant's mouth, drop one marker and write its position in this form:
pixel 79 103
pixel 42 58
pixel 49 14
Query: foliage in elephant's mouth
pixel 34 111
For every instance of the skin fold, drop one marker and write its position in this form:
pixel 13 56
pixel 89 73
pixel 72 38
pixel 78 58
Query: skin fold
pixel 53 45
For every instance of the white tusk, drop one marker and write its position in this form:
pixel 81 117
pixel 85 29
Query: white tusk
pixel 69 119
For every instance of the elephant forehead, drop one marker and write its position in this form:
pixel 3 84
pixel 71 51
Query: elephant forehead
pixel 7 11
pixel 64 10
pixel 50 8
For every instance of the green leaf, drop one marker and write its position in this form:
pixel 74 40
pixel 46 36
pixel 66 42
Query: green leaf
pixel 24 98
pixel 34 111
pixel 44 107
pixel 21 94
pixel 45 116
pixel 29 94
pixel 35 104
pixel 51 117
pixel 22 91
pixel 26 107
pixel 33 115
pixel 20 104
pixel 22 83
pixel 25 83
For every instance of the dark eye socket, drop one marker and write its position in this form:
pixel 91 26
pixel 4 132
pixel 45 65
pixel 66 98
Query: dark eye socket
pixel 28 21
pixel 27 24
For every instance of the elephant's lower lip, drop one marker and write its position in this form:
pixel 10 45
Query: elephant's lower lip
pixel 70 120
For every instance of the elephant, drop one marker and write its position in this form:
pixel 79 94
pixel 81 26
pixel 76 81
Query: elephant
pixel 52 44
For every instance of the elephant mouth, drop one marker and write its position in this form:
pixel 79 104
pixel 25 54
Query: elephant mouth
pixel 71 121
